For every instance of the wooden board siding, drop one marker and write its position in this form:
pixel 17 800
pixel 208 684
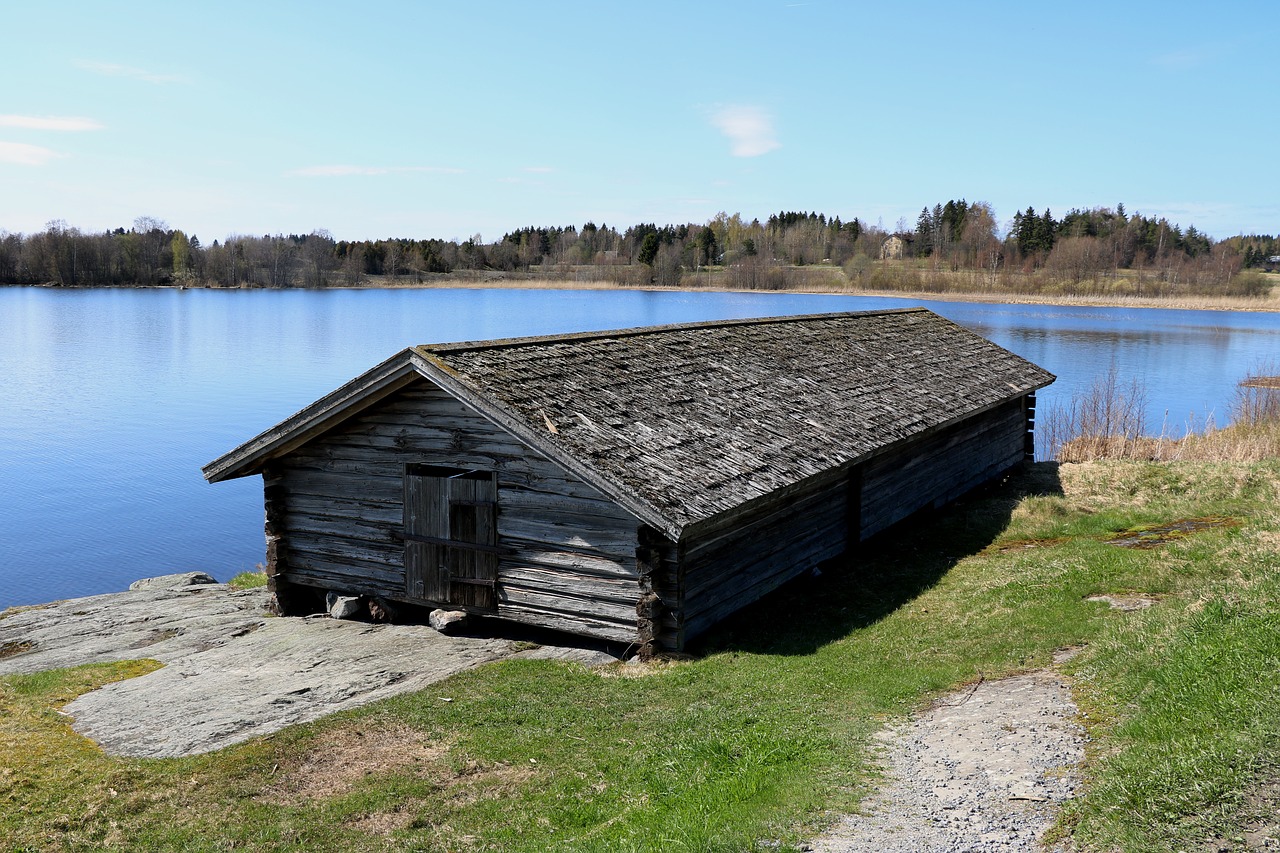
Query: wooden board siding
pixel 941 467
pixel 746 556
pixel 568 553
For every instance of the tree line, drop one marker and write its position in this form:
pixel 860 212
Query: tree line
pixel 1083 246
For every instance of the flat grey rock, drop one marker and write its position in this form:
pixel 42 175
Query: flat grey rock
pixel 289 671
pixel 569 654
pixel 232 671
pixel 178 579
pixel 159 623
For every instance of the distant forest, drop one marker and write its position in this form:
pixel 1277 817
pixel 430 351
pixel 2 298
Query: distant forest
pixel 954 244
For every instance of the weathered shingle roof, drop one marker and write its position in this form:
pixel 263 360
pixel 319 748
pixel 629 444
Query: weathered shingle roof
pixel 683 422
pixel 700 418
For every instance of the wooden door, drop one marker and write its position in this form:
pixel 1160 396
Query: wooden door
pixel 450 533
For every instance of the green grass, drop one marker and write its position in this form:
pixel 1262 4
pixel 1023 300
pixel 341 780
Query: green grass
pixel 768 727
pixel 248 580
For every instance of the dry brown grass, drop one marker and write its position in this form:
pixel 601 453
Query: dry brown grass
pixel 1106 422
pixel 343 756
pixel 943 286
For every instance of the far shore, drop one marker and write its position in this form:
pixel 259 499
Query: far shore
pixel 1271 302
pixel 1267 303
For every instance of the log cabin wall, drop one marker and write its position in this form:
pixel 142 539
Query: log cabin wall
pixel 744 556
pixel 568 553
pixel 942 467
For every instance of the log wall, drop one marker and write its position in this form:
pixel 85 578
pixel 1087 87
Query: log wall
pixel 941 467
pixel 569 553
pixel 745 556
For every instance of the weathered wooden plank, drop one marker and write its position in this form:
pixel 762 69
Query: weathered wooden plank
pixel 940 470
pixel 570 623
pixel 731 571
pixel 932 453
pixel 436 440
pixel 510 595
pixel 530 475
pixel 351 525
pixel 349 570
pixel 619 544
pixel 512 498
pixel 386 513
pixel 921 485
pixel 785 519
pixel 346 583
pixel 572 562
pixel 830 498
pixel 368 487
pixel 343 549
pixel 617 590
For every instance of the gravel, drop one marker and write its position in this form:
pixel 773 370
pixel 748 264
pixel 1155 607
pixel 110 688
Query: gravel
pixel 985 769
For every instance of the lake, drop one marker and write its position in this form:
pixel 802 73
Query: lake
pixel 112 400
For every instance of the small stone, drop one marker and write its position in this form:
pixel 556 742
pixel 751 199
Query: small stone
pixel 174 580
pixel 381 611
pixel 342 606
pixel 448 621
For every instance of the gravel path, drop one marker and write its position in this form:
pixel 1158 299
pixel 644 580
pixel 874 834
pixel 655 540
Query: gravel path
pixel 984 770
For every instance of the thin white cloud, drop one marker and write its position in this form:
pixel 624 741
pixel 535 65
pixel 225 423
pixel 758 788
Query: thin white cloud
pixel 338 171
pixel 112 69
pixel 1187 59
pixel 750 130
pixel 72 123
pixel 23 154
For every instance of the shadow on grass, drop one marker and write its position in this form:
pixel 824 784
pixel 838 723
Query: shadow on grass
pixel 861 587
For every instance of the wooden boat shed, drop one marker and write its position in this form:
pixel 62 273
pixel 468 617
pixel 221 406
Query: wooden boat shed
pixel 635 485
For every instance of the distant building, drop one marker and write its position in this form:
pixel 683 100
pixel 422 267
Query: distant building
pixel 892 249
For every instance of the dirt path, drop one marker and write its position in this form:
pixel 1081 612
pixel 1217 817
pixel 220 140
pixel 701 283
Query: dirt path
pixel 985 769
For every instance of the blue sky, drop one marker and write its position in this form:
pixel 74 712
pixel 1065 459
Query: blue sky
pixel 416 119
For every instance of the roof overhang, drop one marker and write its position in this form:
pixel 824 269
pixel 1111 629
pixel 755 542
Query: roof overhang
pixel 841 471
pixel 403 369
pixel 321 416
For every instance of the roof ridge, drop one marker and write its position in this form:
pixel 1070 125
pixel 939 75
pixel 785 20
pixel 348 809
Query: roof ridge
pixel 635 331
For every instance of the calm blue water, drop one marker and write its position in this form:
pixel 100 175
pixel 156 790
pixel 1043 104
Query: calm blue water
pixel 112 400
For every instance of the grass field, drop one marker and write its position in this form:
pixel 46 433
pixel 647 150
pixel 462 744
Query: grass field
pixel 768 728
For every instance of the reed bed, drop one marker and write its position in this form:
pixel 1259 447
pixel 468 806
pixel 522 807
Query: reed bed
pixel 1106 422
pixel 892 278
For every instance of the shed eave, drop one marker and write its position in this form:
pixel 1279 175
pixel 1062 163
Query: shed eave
pixel 841 469
pixel 319 417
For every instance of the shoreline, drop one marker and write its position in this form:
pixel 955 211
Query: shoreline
pixel 1257 305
